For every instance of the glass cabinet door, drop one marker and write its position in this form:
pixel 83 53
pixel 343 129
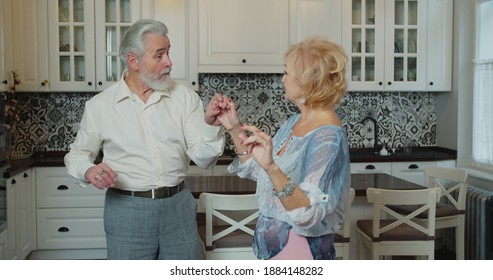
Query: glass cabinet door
pixel 363 41
pixel 71 26
pixel 113 18
pixel 405 25
pixel 384 40
pixel 405 37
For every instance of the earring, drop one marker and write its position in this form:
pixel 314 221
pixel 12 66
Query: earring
pixel 302 101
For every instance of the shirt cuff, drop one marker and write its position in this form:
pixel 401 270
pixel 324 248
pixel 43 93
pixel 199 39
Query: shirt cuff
pixel 212 132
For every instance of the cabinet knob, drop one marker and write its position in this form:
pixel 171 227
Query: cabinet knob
pixel 370 167
pixel 389 83
pixel 43 84
pixel 63 229
pixel 193 83
pixel 431 83
pixel 380 83
pixel 243 60
pixel 413 166
pixel 100 83
pixel 25 175
pixel 4 81
pixel 89 83
pixel 62 187
pixel 13 181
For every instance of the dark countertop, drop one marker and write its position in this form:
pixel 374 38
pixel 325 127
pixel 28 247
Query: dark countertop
pixel 236 185
pixel 55 159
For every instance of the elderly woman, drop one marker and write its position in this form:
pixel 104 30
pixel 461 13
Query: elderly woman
pixel 302 173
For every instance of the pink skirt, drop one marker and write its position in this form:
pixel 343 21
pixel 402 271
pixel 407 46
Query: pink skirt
pixel 296 248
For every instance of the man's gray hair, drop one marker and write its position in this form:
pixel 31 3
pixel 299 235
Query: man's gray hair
pixel 134 39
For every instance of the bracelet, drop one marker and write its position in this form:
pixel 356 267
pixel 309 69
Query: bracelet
pixel 286 191
pixel 240 154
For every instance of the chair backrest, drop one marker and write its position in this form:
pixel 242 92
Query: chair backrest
pixel 228 209
pixel 345 229
pixel 381 198
pixel 449 181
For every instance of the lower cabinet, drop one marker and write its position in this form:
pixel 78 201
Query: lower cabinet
pixel 371 167
pixel 413 171
pixel 76 228
pixel 217 170
pixel 69 217
pixel 21 223
pixel 3 245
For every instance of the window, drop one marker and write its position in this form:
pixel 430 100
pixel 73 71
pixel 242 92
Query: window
pixel 482 138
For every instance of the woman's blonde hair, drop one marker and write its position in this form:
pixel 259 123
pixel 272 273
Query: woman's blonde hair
pixel 320 68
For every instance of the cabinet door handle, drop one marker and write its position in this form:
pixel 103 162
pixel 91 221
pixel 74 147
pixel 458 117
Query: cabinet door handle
pixel 62 187
pixel 370 167
pixel 13 181
pixel 243 60
pixel 389 83
pixel 63 229
pixel 89 83
pixel 5 82
pixel 380 83
pixel 100 83
pixel 431 83
pixel 25 175
pixel 413 166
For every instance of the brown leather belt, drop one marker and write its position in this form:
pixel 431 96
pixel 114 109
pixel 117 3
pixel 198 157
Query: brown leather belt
pixel 161 192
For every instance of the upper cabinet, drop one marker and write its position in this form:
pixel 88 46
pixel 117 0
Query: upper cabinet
pixel 388 43
pixel 239 36
pixel 439 32
pixel 84 42
pixel 5 44
pixel 183 54
pixel 30 40
pixel 316 18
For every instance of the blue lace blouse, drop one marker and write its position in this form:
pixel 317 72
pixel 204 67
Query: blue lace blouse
pixel 319 164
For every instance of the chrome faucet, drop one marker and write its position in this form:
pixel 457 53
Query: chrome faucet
pixel 375 133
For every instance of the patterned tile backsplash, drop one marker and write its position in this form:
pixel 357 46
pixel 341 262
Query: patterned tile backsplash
pixel 49 121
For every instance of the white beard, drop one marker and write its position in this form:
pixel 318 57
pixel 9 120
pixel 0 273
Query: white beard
pixel 154 82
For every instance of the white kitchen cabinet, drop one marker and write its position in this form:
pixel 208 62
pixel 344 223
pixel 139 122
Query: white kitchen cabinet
pixel 371 167
pixel 21 224
pixel 3 245
pixel 221 170
pixel 5 44
pixel 439 30
pixel 241 36
pixel 194 170
pixel 68 216
pixel 183 54
pixel 412 171
pixel 84 37
pixel 72 228
pixel 386 41
pixel 30 42
pixel 316 17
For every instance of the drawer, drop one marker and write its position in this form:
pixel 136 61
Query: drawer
pixel 371 167
pixel 55 189
pixel 412 171
pixel 70 229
